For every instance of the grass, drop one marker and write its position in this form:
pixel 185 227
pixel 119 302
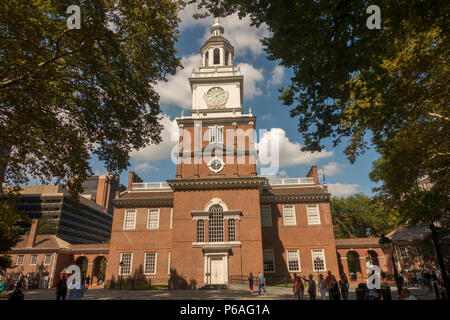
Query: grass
pixel 140 287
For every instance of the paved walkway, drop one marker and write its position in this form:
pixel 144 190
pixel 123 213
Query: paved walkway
pixel 239 292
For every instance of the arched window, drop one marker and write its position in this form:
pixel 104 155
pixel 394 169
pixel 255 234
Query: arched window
pixel 216 56
pixel 215 227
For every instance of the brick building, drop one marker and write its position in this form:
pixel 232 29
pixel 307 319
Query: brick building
pixel 41 258
pixel 102 190
pixel 218 220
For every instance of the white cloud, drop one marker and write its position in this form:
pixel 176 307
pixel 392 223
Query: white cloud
pixel 289 153
pixel 187 21
pixel 331 168
pixel 251 77
pixel 155 152
pixel 265 117
pixel 341 189
pixel 242 36
pixel 176 91
pixel 277 75
pixel 145 166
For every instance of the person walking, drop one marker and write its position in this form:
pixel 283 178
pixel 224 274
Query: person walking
pixel 88 281
pixel 328 280
pixel 299 288
pixel 61 288
pixel 435 285
pixel 427 278
pixel 77 294
pixel 311 288
pixel 250 282
pixel 344 285
pixel 261 283
pixel 334 289
pixel 322 287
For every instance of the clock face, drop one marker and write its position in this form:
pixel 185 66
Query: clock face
pixel 216 97
pixel 216 165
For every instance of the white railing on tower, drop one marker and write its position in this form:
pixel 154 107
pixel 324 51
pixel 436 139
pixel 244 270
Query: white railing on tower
pixel 149 185
pixel 289 181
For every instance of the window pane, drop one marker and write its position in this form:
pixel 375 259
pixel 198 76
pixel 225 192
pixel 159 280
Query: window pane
pixel 289 215
pixel 153 219
pixel 150 263
pixel 130 219
pixel 313 214
pixel 125 268
pixel 268 260
pixel 215 224
pixel 200 231
pixel 231 230
pixel 318 257
pixel 293 260
pixel 266 216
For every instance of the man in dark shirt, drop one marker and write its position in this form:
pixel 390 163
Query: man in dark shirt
pixel 61 288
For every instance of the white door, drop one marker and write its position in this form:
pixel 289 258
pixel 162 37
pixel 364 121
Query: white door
pixel 217 271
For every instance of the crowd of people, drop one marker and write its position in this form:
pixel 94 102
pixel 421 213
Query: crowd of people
pixel 332 289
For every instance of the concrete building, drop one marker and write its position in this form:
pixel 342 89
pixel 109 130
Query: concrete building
pixel 102 190
pixel 90 223
pixel 218 220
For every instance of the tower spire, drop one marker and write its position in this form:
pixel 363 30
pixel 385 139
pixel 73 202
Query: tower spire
pixel 216 29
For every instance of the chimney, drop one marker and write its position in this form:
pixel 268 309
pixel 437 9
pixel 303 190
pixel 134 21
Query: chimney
pixel 313 174
pixel 132 178
pixel 33 233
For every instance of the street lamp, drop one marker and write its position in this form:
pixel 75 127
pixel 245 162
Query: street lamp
pixel 385 244
pixel 120 270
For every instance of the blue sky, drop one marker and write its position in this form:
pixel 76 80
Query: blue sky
pixel 262 78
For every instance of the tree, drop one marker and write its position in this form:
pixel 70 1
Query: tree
pixel 10 231
pixel 360 216
pixel 351 82
pixel 67 94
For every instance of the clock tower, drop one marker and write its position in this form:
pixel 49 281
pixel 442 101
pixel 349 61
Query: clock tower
pixel 216 138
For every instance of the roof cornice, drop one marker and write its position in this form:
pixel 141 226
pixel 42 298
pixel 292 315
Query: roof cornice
pixel 241 182
pixel 139 202
pixel 296 197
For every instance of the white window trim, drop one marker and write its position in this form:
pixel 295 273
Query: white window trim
pixel 169 262
pixel 31 259
pixel 157 218
pixel 171 218
pixel 295 216
pixel 156 263
pixel 49 260
pixel 270 214
pixel 298 260
pixel 131 264
pixel 125 220
pixel 17 260
pixel 324 260
pixel 273 256
pixel 318 214
pixel 215 131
